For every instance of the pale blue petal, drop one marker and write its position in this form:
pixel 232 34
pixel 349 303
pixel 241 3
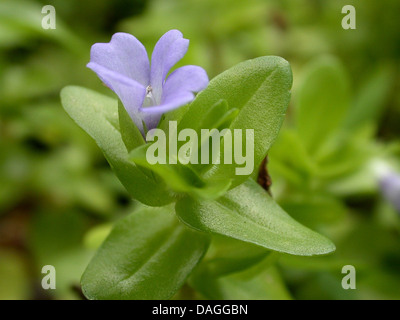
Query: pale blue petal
pixel 177 100
pixel 168 51
pixel 184 79
pixel 124 54
pixel 178 91
pixel 130 92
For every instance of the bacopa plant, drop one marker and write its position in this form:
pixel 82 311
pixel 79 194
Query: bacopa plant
pixel 187 208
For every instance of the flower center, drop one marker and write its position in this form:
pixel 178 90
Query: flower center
pixel 149 99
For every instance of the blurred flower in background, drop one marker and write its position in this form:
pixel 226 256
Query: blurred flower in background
pixel 389 182
pixel 390 185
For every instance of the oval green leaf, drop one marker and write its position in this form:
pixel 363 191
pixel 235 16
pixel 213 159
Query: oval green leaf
pixel 249 214
pixel 323 102
pixel 98 116
pixel 148 255
pixel 260 91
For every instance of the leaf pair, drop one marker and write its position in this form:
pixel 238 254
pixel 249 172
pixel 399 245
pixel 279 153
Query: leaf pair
pixel 149 254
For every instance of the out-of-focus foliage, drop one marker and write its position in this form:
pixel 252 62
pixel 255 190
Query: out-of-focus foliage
pixel 58 196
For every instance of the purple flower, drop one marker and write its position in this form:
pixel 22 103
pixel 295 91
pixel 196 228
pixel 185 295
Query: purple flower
pixel 390 187
pixel 145 91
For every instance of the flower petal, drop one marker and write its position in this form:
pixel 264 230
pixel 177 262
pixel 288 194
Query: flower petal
pixel 168 51
pixel 187 78
pixel 177 91
pixel 130 92
pixel 177 100
pixel 124 54
pixel 152 115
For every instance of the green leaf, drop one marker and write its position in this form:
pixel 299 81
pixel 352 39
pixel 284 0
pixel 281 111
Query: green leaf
pixel 98 116
pixel 314 210
pixel 219 116
pixel 323 101
pixel 371 98
pixel 95 236
pixel 56 239
pixel 22 20
pixel 14 277
pixel 260 91
pixel 249 214
pixel 227 255
pixel 173 115
pixel 290 159
pixel 181 178
pixel 131 134
pixel 260 282
pixel 148 255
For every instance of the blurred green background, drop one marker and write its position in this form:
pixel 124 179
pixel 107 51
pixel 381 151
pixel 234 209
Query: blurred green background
pixel 58 196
